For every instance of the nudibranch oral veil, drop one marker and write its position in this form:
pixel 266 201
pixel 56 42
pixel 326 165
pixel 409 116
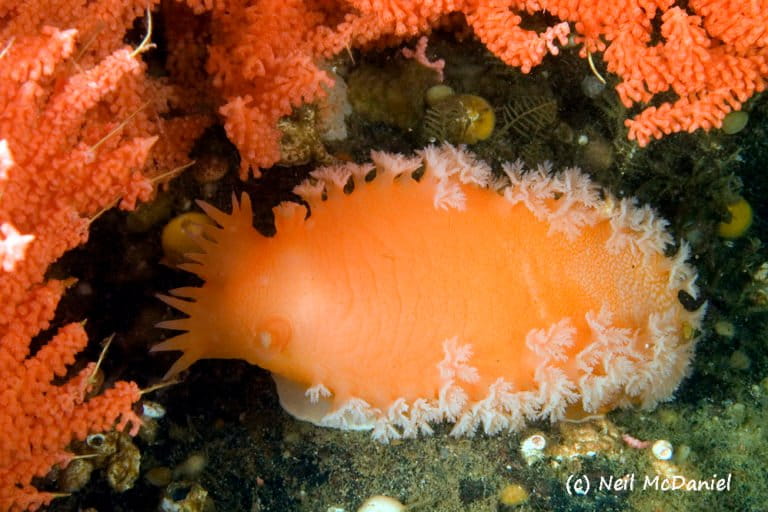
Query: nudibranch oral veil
pixel 439 292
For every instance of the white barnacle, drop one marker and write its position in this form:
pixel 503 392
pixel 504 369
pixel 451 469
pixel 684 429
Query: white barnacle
pixel 662 449
pixel 152 410
pixel 532 448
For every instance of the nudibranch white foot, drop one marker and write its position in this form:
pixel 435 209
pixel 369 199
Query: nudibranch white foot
pixel 436 291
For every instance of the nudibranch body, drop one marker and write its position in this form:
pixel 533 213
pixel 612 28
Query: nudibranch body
pixel 438 292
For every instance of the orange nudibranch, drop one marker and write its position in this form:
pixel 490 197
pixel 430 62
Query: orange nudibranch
pixel 437 291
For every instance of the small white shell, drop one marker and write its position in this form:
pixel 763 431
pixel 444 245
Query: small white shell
pixel 381 504
pixel 532 448
pixel 662 449
pixel 152 409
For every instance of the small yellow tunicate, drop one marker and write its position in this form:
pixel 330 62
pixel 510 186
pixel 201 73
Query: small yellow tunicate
pixel 513 494
pixel 682 454
pixel 481 118
pixel 191 467
pixel 437 93
pixel 688 331
pixel 739 360
pixel 725 328
pixel 159 476
pixel 741 219
pixel 668 416
pixel 735 121
pixel 179 235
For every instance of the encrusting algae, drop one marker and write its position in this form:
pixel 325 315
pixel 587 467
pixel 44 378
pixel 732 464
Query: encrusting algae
pixel 438 292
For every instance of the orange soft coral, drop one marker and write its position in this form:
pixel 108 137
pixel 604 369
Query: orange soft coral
pixel 265 54
pixel 79 126
pixel 456 297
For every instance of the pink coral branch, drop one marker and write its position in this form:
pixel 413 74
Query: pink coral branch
pixel 420 55
pixel 635 443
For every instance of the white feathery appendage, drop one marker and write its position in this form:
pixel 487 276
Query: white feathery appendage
pixel 465 165
pixel 384 431
pixel 448 161
pixel 606 340
pixel 682 276
pixel 621 365
pixel 334 175
pixel 598 390
pixel 421 415
pixel 499 183
pixel 641 230
pixel 637 228
pixel 503 409
pixel 658 377
pixel 449 195
pixel 568 201
pixel 331 177
pixel 614 371
pixel 550 343
pixel 353 413
pixel 556 392
pixel 499 411
pixel 316 392
pixel 394 164
pixel 451 400
pixel 528 187
pixel 577 206
pixel 386 427
pixel 454 364
pixel 514 171
pixel 360 171
pixel 309 190
pixel 607 361
pixel 402 421
pixel 434 163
